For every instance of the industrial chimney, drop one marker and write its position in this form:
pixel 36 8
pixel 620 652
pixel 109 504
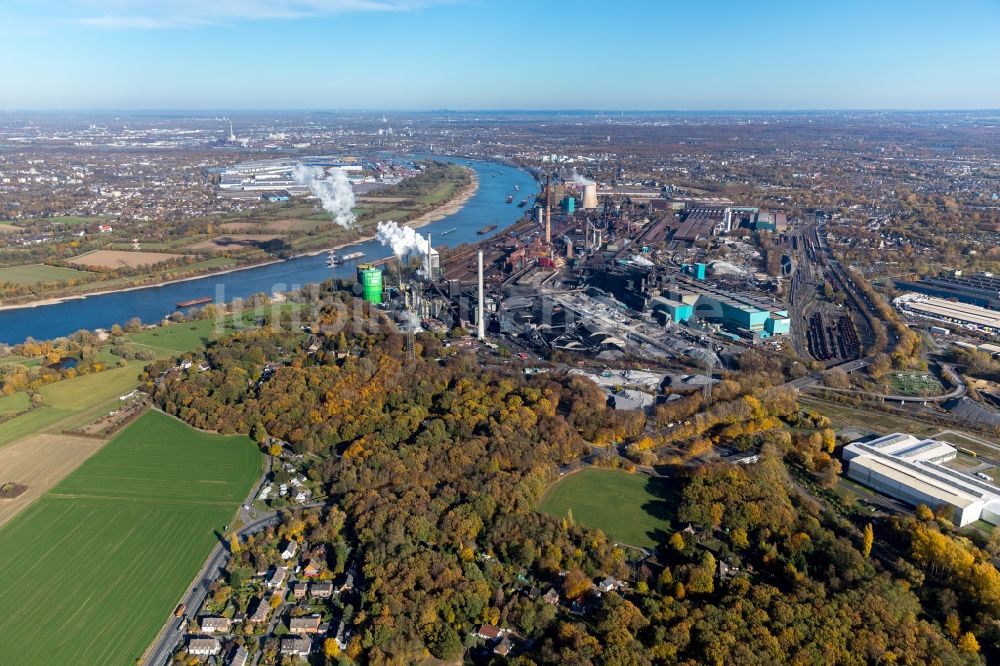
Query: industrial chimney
pixel 430 265
pixel 548 213
pixel 481 315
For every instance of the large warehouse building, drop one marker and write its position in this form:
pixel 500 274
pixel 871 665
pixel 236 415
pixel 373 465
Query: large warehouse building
pixel 982 289
pixel 968 316
pixel 740 313
pixel 910 470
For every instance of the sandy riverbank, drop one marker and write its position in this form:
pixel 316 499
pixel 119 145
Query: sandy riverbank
pixel 449 207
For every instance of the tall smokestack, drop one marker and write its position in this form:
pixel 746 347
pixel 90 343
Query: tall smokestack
pixel 482 311
pixel 548 212
pixel 430 266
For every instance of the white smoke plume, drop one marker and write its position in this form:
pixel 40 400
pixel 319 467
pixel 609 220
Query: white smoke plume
pixel 580 179
pixel 409 321
pixel 334 191
pixel 640 260
pixel 402 240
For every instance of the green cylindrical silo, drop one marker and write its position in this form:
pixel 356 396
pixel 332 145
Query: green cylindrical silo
pixel 371 280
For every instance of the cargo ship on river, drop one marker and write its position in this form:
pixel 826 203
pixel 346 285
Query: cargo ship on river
pixel 194 301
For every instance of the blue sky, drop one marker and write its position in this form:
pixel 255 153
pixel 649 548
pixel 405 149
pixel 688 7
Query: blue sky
pixel 499 54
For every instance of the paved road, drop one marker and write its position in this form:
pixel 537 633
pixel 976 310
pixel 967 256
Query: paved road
pixel 815 377
pixel 161 649
pixel 173 631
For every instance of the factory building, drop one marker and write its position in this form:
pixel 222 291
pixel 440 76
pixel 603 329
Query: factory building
pixel 743 314
pixel 756 219
pixel 740 313
pixel 969 316
pixel 667 310
pixel 910 469
pixel 982 290
pixel 632 285
pixel 696 271
pixel 702 222
pixel 263 176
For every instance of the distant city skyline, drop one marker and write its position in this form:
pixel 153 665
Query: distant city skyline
pixel 420 55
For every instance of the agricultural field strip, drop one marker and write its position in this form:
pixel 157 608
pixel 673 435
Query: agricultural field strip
pixel 151 500
pixel 41 462
pixel 93 547
pixel 133 553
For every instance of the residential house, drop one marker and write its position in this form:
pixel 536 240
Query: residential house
pixel 726 571
pixel 211 625
pixel 277 578
pixel 203 647
pixel 240 657
pixel 312 569
pixel 314 345
pixel 551 597
pixel 321 590
pixel 259 615
pixel 295 647
pixel 504 647
pixel 610 583
pixel 299 590
pixel 304 625
pixel 291 548
pixel 488 632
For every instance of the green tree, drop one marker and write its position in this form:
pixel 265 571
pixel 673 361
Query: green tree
pixel 445 643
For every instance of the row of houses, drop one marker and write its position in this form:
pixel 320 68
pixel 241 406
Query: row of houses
pixel 210 647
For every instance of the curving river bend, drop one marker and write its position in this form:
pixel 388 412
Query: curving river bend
pixel 487 206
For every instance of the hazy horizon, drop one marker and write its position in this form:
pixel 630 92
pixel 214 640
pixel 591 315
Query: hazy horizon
pixel 398 55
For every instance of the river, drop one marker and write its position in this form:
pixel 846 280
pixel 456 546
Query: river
pixel 487 206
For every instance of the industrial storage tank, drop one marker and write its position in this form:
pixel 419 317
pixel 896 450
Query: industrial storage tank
pixel 371 282
pixel 590 196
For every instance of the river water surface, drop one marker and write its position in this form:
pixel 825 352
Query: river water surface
pixel 487 206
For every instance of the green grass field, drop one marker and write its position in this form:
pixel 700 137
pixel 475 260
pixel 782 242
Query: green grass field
pixel 93 569
pixel 631 508
pixel 176 338
pixel 13 404
pixel 188 336
pixel 73 402
pixel 21 360
pixel 35 273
